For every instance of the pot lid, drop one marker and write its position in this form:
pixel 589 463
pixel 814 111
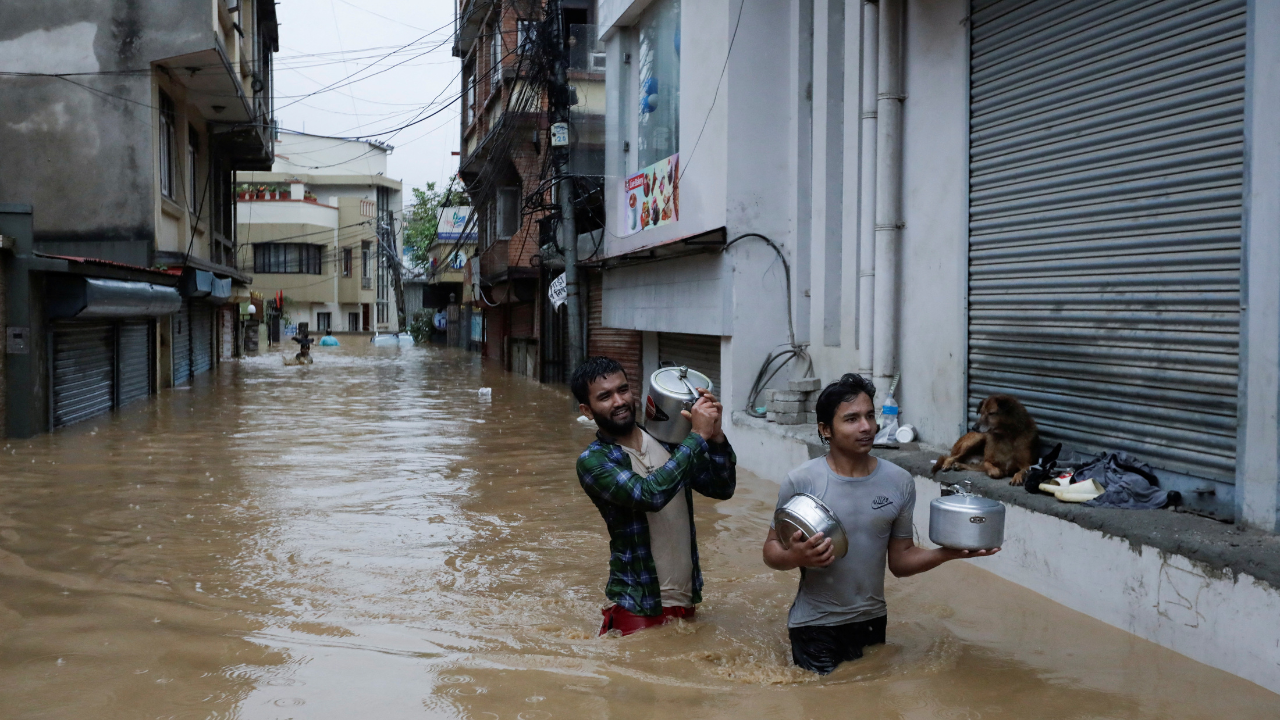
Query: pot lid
pixel 671 380
pixel 965 501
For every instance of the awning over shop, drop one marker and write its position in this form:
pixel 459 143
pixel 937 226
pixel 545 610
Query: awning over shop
pixel 73 296
pixel 204 284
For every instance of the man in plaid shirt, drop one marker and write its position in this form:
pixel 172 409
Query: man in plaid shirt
pixel 643 489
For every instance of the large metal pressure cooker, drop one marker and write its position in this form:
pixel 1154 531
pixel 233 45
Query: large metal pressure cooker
pixel 964 521
pixel 671 390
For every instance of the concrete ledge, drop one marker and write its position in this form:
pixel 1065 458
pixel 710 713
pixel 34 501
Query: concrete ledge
pixel 1219 547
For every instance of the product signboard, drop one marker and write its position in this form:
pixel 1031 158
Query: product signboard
pixel 651 197
pixel 453 221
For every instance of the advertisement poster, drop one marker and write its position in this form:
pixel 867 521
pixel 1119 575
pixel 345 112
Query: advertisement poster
pixel 453 221
pixel 651 197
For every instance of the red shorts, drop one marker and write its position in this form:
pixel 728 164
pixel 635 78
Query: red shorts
pixel 618 618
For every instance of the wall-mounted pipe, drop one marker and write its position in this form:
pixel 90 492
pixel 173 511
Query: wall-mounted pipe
pixel 867 190
pixel 888 219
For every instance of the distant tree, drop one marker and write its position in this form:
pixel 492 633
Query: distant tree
pixel 422 218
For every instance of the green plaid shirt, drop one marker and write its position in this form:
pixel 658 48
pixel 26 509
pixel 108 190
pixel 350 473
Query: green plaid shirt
pixel 623 497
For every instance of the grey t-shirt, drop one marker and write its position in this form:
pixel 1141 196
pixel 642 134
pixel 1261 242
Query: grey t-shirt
pixel 872 509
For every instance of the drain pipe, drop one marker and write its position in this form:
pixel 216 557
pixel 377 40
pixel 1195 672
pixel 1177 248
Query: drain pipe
pixel 888 193
pixel 867 191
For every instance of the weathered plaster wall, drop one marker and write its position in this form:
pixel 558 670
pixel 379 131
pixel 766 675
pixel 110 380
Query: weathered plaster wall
pixel 1219 618
pixel 80 149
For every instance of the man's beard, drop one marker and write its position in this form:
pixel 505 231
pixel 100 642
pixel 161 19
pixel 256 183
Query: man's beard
pixel 615 428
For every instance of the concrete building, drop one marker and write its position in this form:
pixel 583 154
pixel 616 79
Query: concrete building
pixel 322 226
pixel 1074 202
pixel 122 126
pixel 440 282
pixel 505 167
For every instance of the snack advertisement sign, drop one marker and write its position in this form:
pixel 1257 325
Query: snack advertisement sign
pixel 651 197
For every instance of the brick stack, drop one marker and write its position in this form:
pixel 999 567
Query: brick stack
pixel 797 405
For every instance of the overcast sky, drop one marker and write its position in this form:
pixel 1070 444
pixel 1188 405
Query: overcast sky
pixel 324 41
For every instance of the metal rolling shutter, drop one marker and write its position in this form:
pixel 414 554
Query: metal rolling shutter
pixel 133 361
pixel 621 345
pixel 83 370
pixel 201 337
pixel 1105 210
pixel 699 352
pixel 180 324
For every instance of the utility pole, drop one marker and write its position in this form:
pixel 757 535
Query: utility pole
pixel 560 103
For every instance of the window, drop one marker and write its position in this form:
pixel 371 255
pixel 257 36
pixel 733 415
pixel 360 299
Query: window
pixel 287 258
pixel 468 94
pixel 527 35
pixel 168 143
pixel 658 86
pixel 324 322
pixel 495 56
pixel 364 259
pixel 508 215
pixel 193 174
pixel 346 262
pixel 353 322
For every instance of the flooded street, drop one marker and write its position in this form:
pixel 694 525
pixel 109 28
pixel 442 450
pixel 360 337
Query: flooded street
pixel 361 538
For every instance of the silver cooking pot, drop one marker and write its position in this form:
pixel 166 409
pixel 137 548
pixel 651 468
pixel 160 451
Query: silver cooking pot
pixel 810 516
pixel 964 521
pixel 672 389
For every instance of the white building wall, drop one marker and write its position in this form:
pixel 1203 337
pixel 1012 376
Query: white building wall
pixel 933 334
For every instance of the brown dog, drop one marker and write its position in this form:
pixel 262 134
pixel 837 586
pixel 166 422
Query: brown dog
pixel 1005 435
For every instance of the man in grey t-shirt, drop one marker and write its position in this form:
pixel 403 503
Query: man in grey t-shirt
pixel 840 607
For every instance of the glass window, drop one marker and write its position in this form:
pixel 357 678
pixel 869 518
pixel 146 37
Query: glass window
pixel 527 35
pixel 658 75
pixel 291 258
pixel 495 56
pixel 168 141
pixel 468 94
pixel 193 176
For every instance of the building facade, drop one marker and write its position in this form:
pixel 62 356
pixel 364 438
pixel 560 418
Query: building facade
pixel 322 227
pixel 123 125
pixel 1076 203
pixel 507 50
pixel 935 226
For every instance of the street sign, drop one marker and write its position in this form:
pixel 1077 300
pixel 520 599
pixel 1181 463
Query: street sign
pixel 560 134
pixel 559 292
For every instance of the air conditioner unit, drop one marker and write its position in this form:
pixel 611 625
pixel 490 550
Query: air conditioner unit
pixel 597 62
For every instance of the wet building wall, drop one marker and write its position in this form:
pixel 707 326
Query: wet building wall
pixel 81 149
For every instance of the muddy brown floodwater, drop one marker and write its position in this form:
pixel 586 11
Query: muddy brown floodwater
pixel 361 538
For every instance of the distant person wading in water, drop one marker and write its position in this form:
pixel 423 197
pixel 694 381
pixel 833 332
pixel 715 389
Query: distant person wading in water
pixel 643 489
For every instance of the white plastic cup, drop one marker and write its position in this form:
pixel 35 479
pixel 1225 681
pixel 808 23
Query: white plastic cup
pixel 906 433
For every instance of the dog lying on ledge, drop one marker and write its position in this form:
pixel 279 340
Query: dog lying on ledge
pixel 1005 436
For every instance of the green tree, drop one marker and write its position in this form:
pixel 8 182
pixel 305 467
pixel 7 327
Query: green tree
pixel 422 218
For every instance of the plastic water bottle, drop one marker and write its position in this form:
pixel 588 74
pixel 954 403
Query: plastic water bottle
pixel 888 421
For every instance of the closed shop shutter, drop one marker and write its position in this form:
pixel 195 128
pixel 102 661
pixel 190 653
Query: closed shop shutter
pixel 201 337
pixel 83 372
pixel 621 345
pixel 180 334
pixel 1105 211
pixel 698 352
pixel 134 361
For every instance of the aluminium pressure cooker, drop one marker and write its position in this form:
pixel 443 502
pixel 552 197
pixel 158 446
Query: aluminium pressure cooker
pixel 963 521
pixel 671 390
